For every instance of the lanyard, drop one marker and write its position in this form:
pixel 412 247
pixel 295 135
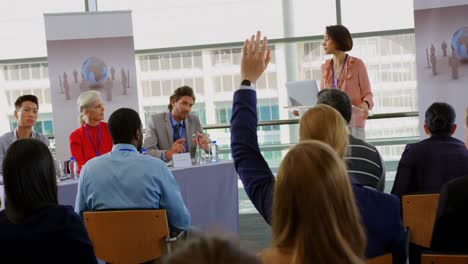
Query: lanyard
pixel 96 149
pixel 335 82
pixel 128 150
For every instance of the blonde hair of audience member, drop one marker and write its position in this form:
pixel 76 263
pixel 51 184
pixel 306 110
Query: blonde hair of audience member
pixel 210 250
pixel 314 217
pixel 85 102
pixel 325 124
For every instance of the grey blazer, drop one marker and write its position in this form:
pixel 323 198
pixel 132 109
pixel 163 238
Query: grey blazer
pixel 159 135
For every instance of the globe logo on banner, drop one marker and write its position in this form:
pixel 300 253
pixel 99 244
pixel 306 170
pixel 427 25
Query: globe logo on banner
pixel 460 43
pixel 94 72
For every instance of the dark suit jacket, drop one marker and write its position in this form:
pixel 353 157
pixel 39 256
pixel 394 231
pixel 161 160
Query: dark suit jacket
pixel 451 230
pixel 425 166
pixel 380 212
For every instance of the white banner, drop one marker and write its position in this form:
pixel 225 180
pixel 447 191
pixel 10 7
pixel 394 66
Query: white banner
pixel 441 30
pixel 89 51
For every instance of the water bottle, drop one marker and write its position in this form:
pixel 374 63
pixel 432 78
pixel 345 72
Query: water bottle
pixel 73 168
pixel 143 151
pixel 214 152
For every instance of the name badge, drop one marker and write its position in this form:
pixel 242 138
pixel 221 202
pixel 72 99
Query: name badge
pixel 182 160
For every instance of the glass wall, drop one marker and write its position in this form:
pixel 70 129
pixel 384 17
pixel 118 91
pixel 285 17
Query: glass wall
pixel 174 49
pixel 370 15
pixel 166 23
pixel 22 24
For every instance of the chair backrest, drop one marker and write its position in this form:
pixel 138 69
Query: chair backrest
pixel 384 259
pixel 444 259
pixel 419 213
pixel 129 236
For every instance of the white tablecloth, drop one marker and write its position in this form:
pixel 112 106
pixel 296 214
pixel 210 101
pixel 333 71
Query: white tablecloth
pixel 209 191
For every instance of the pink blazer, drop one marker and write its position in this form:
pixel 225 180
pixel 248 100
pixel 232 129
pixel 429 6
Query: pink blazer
pixel 355 83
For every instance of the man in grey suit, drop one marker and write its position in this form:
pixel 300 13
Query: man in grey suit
pixel 171 132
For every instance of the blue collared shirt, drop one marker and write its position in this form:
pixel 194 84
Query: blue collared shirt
pixel 125 179
pixel 8 138
pixel 182 134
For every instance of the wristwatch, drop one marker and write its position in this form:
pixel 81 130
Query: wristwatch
pixel 246 82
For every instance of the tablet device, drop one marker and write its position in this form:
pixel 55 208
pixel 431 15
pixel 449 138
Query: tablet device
pixel 302 93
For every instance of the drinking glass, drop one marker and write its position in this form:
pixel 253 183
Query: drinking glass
pixel 197 149
pixel 59 169
pixel 205 156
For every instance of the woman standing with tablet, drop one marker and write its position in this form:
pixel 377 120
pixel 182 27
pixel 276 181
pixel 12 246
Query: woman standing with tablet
pixel 348 74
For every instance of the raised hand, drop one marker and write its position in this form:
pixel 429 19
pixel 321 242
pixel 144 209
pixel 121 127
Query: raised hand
pixel 254 59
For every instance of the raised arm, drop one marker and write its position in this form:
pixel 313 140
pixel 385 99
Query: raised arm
pixel 253 170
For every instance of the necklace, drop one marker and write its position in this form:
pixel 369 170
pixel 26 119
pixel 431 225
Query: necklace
pixel 336 76
pixel 337 72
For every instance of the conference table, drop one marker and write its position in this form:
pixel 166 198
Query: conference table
pixel 209 192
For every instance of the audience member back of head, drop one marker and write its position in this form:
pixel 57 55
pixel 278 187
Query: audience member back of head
pixel 33 227
pixel 210 250
pixel 364 161
pixel 450 229
pixel 427 165
pixel 314 218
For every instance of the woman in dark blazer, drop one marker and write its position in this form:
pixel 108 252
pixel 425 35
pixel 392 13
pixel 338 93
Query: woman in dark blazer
pixel 34 228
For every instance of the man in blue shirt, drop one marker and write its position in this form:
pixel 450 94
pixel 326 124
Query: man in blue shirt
pixel 125 179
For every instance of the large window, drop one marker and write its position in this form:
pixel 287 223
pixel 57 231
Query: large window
pixel 215 75
pixel 42 94
pixel 198 110
pixel 311 17
pixel 23 30
pixel 174 47
pixel 371 15
pixel 185 60
pixel 223 114
pixel 168 23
